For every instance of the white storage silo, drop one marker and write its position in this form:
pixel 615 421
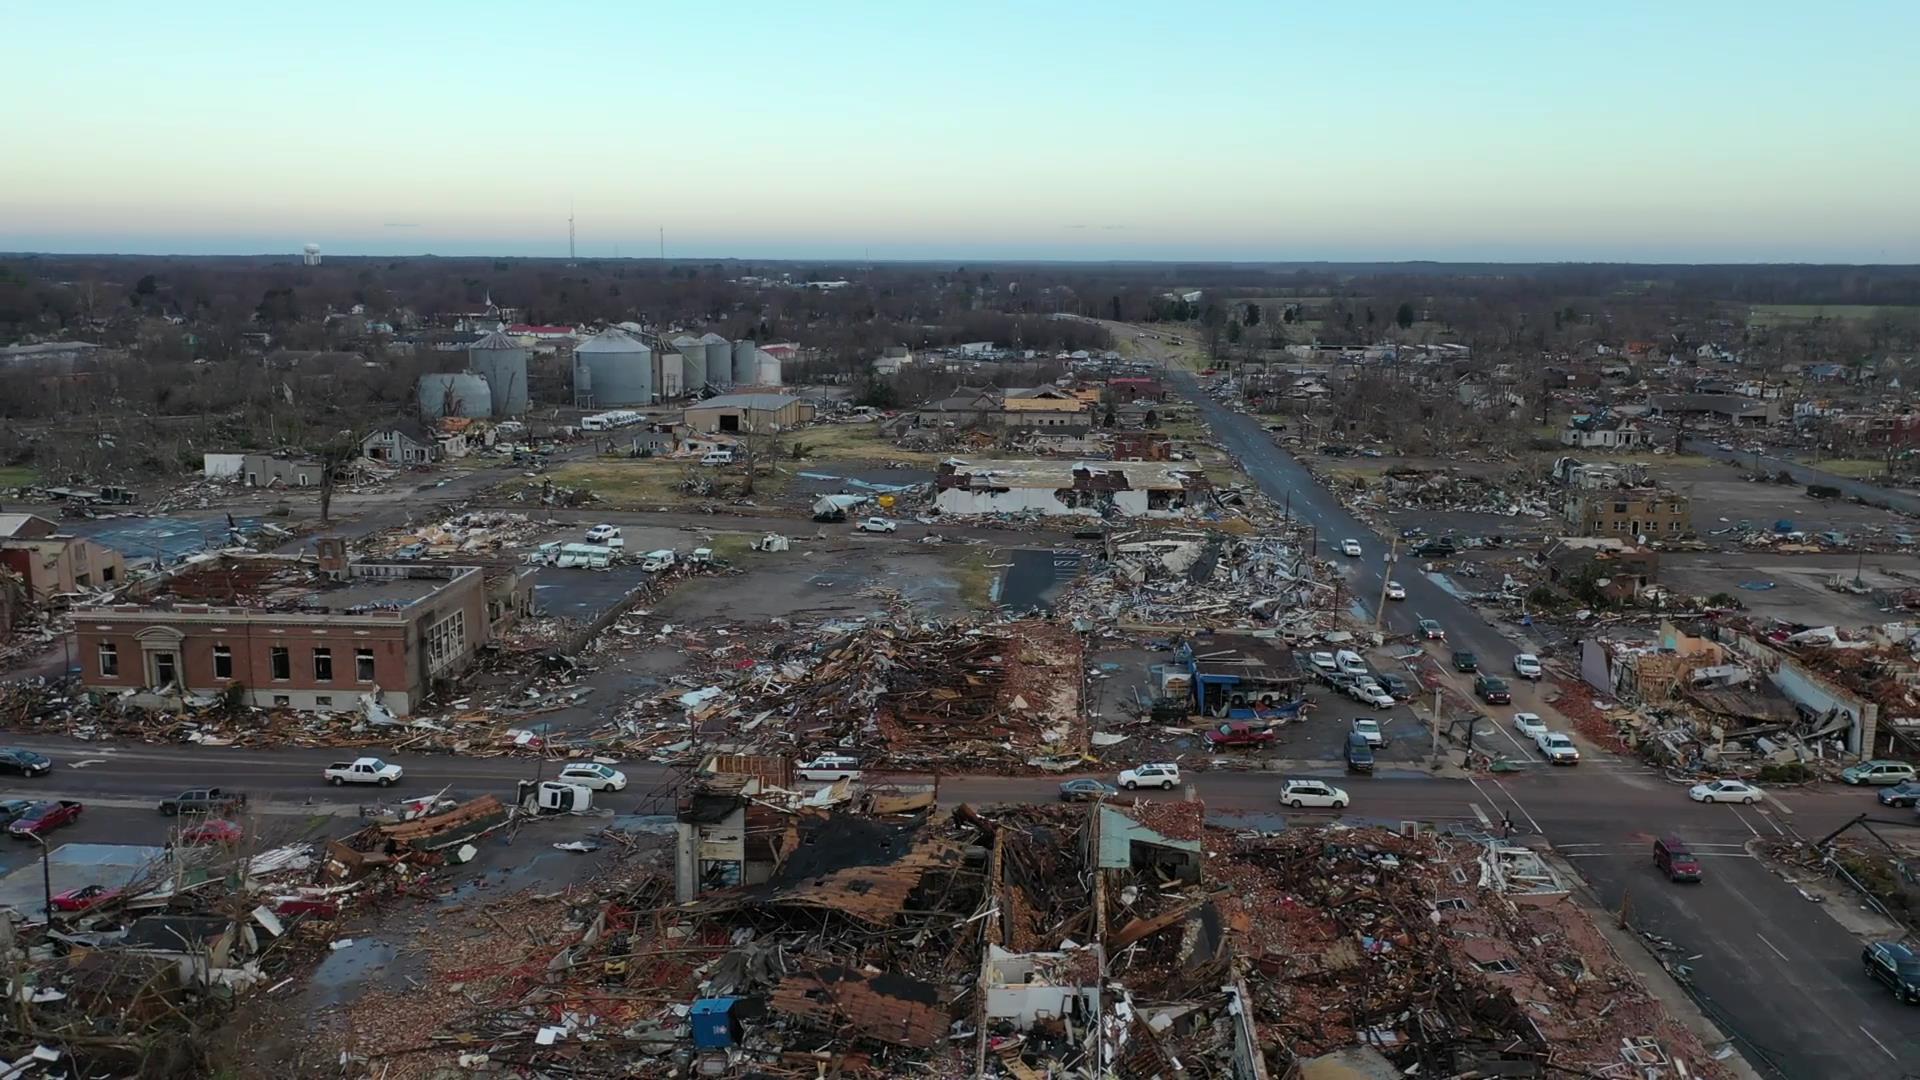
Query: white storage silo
pixel 458 393
pixel 767 368
pixel 719 360
pixel 669 375
pixel 693 364
pixel 745 367
pixel 619 370
pixel 501 361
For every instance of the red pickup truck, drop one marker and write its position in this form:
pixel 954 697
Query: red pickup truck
pixel 44 817
pixel 1235 733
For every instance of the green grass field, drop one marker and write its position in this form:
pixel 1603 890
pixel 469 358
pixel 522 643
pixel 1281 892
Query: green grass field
pixel 1851 468
pixel 18 476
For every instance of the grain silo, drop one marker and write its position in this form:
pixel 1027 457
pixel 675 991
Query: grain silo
pixel 745 367
pixel 459 393
pixel 767 368
pixel 618 371
pixel 693 363
pixel 501 361
pixel 670 375
pixel 719 359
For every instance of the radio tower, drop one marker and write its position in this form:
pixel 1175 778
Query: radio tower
pixel 569 232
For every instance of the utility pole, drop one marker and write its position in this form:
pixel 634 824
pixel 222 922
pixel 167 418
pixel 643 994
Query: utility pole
pixel 1435 726
pixel 1386 580
pixel 46 875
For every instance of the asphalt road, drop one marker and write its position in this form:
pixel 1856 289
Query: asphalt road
pixel 1796 1000
pixel 1807 474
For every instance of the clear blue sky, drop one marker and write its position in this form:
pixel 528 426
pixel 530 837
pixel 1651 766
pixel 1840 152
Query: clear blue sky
pixel 1684 130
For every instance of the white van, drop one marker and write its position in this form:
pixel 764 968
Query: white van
pixel 830 767
pixel 657 561
pixel 717 457
pixel 1349 663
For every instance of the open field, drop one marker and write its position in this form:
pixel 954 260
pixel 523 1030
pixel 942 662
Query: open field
pixel 1774 314
pixel 643 483
pixel 18 476
pixel 1851 468
pixel 851 442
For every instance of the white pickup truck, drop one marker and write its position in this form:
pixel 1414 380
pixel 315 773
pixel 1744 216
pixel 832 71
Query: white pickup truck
pixel 366 770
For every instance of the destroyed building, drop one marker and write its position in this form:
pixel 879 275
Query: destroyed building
pixel 1101 488
pixel 292 631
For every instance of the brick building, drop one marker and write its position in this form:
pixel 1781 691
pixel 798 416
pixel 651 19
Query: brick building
pixel 51 562
pixel 295 631
pixel 1627 513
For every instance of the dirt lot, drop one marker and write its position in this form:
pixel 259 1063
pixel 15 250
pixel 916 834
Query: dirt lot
pixel 1722 496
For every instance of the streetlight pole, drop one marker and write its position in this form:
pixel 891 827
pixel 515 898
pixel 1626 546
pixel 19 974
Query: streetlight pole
pixel 46 875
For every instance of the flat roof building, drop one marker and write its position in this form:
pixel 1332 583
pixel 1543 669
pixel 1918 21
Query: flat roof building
pixel 749 412
pixel 292 631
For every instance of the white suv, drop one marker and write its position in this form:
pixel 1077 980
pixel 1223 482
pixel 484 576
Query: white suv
pixel 1527 666
pixel 1298 793
pixel 1160 774
pixel 592 774
pixel 830 767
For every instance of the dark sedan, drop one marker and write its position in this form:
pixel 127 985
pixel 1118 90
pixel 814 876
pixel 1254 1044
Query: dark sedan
pixel 1086 791
pixel 25 762
pixel 11 809
pixel 1902 794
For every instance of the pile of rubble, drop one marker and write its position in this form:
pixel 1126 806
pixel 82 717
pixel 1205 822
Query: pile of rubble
pixel 992 696
pixel 474 532
pixel 1206 579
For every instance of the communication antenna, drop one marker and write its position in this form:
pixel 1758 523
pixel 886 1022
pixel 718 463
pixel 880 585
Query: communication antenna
pixel 663 243
pixel 569 230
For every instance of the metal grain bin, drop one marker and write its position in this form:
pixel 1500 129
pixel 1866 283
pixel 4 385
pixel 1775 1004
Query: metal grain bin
pixel 459 393
pixel 746 367
pixel 501 361
pixel 619 371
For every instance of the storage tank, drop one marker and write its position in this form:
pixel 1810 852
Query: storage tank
pixel 719 360
pixel 768 366
pixel 459 393
pixel 745 367
pixel 669 375
pixel 619 371
pixel 693 368
pixel 501 361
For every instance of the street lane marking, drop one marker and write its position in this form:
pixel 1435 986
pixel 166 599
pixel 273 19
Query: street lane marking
pixel 1744 821
pixel 1878 1043
pixel 1775 800
pixel 1770 945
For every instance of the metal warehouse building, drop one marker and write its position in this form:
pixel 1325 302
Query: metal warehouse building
pixel 749 412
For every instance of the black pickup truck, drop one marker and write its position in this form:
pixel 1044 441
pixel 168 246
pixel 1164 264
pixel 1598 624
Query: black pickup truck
pixel 204 801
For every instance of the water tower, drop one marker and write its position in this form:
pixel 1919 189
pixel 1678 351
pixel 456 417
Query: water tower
pixel 310 255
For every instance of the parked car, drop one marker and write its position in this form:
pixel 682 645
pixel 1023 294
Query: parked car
pixel 1905 794
pixel 1085 790
pixel 366 770
pixel 1529 724
pixel 1359 753
pixel 1299 793
pixel 1878 772
pixel 1396 591
pixel 1435 549
pixel 1399 688
pixel 1432 631
pixel 43 817
pixel 717 457
pixel 1350 548
pixel 829 768
pixel 1527 666
pixel 25 762
pixel 659 560
pixel 1673 859
pixel 1229 734
pixel 1895 965
pixel 1369 729
pixel 214 831
pixel 410 552
pixel 1557 748
pixel 1158 774
pixel 1493 691
pixel 594 776
pixel 1323 662
pixel 878 525
pixel 1367 692
pixel 11 809
pixel 1413 533
pixel 203 801
pixel 84 898
pixel 1734 791
pixel 1350 663
pixel 600 534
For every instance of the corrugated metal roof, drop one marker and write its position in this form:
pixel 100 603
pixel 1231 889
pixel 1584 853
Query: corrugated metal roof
pixel 711 338
pixel 746 401
pixel 495 340
pixel 610 341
